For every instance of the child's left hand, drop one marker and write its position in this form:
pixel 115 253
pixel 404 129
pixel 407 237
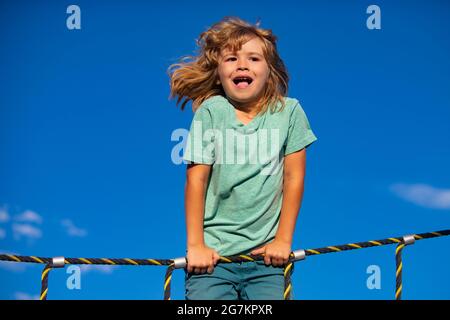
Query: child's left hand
pixel 276 253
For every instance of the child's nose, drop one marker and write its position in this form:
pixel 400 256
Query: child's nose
pixel 242 64
pixel 241 67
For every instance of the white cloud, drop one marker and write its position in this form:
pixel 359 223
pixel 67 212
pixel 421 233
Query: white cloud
pixel 26 230
pixel 107 269
pixel 72 230
pixel 2 233
pixel 4 216
pixel 28 216
pixel 12 266
pixel 25 296
pixel 423 195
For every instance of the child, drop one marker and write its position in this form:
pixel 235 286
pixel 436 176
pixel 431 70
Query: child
pixel 249 205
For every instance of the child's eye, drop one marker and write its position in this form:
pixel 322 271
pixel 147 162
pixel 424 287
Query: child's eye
pixel 234 58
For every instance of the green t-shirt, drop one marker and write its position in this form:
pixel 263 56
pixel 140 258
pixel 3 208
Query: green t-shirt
pixel 245 188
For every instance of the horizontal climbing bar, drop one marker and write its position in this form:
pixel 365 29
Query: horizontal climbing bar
pixel 58 262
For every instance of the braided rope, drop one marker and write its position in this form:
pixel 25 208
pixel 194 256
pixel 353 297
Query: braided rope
pixel 44 281
pixel 167 281
pixel 288 271
pixel 398 271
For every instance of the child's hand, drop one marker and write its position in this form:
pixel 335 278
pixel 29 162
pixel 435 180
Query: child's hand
pixel 276 253
pixel 201 259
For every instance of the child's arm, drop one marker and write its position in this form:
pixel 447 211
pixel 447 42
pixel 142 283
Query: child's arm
pixel 277 252
pixel 200 257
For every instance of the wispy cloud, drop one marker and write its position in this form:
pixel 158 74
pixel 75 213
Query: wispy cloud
pixel 25 296
pixel 26 230
pixel 107 269
pixel 423 195
pixel 12 266
pixel 73 230
pixel 4 216
pixel 2 233
pixel 28 216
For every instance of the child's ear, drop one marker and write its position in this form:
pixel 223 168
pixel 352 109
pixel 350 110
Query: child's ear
pixel 218 82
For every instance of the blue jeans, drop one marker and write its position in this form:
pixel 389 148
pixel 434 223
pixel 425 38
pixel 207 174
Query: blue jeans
pixel 237 281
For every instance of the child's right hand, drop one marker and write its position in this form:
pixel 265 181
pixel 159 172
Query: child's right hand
pixel 201 259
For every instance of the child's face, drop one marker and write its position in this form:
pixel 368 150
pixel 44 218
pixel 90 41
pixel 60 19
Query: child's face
pixel 249 63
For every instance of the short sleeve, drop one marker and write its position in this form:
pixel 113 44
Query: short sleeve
pixel 300 134
pixel 200 141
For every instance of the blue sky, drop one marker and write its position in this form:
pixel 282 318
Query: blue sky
pixel 85 127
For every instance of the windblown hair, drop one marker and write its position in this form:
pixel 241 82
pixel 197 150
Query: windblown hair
pixel 195 77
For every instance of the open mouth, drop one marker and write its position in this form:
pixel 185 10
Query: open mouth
pixel 242 82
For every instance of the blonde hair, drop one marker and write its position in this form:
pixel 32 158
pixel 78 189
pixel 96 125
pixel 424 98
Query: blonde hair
pixel 197 80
